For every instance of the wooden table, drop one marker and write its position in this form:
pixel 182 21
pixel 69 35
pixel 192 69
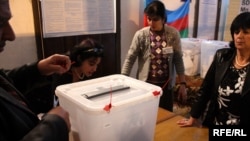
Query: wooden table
pixel 168 130
pixel 164 115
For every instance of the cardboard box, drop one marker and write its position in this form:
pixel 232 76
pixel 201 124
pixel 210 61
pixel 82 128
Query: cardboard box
pixel 130 117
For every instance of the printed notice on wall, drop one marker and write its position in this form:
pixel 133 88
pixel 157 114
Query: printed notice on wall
pixel 207 19
pixel 78 17
pixel 245 6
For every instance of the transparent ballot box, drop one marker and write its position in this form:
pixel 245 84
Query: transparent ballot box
pixel 112 108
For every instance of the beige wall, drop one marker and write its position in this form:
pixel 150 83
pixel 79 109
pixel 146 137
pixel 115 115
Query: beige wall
pixel 23 49
pixel 234 9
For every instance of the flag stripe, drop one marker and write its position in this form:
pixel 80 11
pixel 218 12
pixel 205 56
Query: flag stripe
pixel 184 33
pixel 180 23
pixel 179 13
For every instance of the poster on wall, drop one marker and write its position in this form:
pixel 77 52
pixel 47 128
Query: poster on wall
pixel 207 20
pixel 244 6
pixel 78 17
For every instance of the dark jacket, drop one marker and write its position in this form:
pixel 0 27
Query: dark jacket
pixel 42 96
pixel 17 121
pixel 207 95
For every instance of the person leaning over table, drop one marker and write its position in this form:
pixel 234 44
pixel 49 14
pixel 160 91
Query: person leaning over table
pixel 159 53
pixel 17 120
pixel 85 58
pixel 225 88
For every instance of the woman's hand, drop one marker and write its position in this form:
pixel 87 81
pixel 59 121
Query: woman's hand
pixel 189 122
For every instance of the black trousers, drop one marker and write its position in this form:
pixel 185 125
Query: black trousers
pixel 167 98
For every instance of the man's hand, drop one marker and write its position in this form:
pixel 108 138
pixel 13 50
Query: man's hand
pixel 182 94
pixel 62 113
pixel 54 64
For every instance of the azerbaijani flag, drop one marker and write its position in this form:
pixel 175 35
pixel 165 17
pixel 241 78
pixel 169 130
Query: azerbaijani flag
pixel 177 18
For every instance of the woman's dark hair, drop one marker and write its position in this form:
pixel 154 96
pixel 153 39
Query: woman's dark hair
pixel 156 8
pixel 86 49
pixel 242 21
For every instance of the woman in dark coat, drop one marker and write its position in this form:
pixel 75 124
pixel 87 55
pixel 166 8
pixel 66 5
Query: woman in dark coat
pixel 224 96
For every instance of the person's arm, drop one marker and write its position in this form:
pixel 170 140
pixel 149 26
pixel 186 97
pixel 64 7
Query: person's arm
pixel 179 65
pixel 203 96
pixel 54 126
pixel 189 122
pixel 182 93
pixel 54 64
pixel 35 74
pixel 206 91
pixel 131 55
